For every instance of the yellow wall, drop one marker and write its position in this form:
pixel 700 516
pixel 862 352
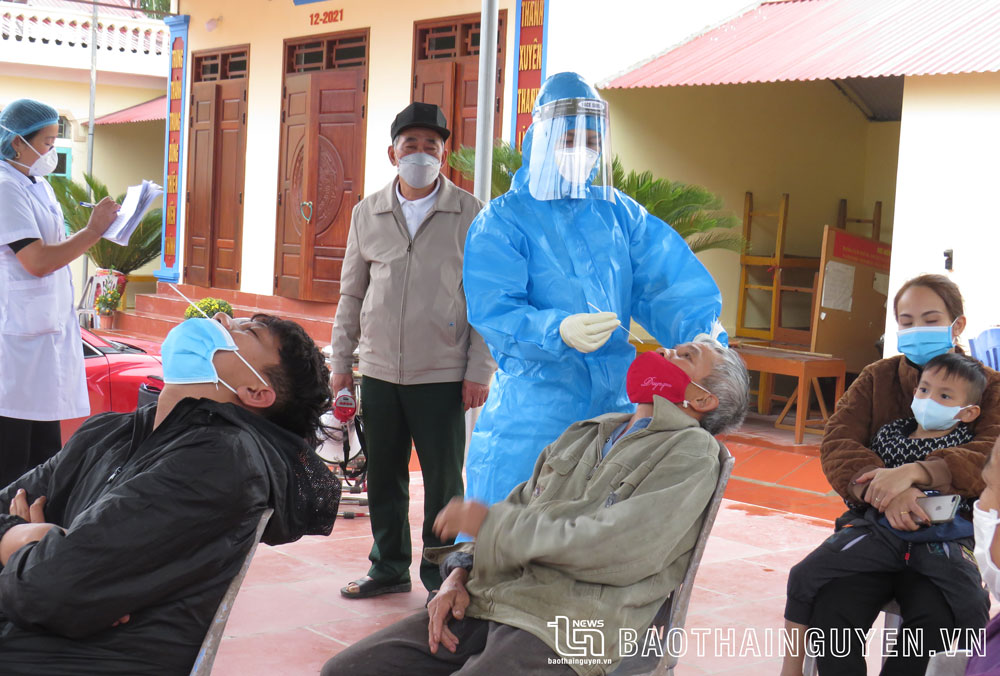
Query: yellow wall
pixel 803 138
pixel 389 87
pixel 947 180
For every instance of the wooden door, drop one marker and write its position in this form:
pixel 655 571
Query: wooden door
pixel 229 171
pixel 288 268
pixel 216 160
pixel 201 162
pixel 322 163
pixel 446 73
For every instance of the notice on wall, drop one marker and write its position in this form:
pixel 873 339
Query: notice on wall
pixel 881 283
pixel 838 286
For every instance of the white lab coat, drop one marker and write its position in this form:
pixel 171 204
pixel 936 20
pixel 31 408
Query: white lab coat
pixel 41 352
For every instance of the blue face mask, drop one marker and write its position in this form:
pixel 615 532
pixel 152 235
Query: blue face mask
pixel 922 343
pixel 934 416
pixel 188 350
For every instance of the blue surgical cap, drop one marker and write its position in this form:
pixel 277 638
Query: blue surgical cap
pixel 23 117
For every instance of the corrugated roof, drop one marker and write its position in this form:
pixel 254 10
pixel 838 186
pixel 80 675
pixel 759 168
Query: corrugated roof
pixel 142 112
pixel 832 39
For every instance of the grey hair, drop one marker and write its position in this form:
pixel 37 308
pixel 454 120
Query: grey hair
pixel 730 383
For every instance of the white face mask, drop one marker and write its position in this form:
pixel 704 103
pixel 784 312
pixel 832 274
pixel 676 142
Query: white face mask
pixel 44 165
pixel 576 164
pixel 419 170
pixel 985 525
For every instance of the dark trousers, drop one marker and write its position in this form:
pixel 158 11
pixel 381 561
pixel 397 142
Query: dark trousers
pixel 863 546
pixel 25 444
pixel 484 649
pixel 398 417
pixel 855 601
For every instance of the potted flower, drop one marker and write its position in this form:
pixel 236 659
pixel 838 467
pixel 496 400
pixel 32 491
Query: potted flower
pixel 106 304
pixel 210 307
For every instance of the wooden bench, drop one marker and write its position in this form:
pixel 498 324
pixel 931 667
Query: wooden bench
pixel 808 367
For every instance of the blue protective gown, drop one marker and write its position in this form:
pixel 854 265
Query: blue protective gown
pixel 529 264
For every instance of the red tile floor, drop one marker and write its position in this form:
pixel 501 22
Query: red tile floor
pixel 289 616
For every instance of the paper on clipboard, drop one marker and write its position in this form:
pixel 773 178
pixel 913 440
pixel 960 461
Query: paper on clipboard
pixel 137 201
pixel 838 286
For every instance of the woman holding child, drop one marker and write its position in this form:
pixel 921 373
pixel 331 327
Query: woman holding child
pixel 921 421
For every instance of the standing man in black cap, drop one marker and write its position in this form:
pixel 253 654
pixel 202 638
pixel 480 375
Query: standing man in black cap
pixel 422 365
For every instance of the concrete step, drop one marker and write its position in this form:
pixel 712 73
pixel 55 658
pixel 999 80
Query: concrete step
pixel 156 314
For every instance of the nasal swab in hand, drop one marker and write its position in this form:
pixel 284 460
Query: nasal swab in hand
pixel 188 300
pixel 620 326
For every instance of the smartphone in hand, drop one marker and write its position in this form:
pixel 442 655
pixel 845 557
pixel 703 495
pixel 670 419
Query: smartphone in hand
pixel 940 508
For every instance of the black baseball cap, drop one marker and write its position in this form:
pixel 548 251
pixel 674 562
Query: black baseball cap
pixel 425 115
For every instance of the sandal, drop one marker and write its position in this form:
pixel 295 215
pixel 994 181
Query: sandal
pixel 366 587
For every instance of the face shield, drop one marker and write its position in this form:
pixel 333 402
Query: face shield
pixel 571 151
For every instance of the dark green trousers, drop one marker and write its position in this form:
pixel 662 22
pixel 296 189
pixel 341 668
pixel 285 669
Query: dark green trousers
pixel 398 417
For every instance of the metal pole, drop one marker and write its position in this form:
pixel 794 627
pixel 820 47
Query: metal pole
pixel 90 124
pixel 488 24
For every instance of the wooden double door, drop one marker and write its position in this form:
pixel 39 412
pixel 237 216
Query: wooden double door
pixel 321 171
pixel 216 162
pixel 446 73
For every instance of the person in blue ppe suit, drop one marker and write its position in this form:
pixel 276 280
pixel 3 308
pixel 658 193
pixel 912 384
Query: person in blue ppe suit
pixel 551 269
pixel 42 377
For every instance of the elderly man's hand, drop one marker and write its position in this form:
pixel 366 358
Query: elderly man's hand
pixel 451 601
pixel 473 394
pixel 341 381
pixel 459 516
pixel 33 513
pixel 20 535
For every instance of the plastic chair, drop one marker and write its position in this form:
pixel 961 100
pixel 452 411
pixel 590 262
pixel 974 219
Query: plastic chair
pixel 673 612
pixel 210 646
pixel 986 347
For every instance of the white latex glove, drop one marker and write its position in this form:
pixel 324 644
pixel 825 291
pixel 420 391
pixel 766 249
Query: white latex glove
pixel 587 331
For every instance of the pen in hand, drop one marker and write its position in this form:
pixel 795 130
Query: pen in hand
pixel 88 205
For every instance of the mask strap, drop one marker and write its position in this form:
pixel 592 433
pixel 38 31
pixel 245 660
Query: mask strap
pixel 237 353
pixel 228 386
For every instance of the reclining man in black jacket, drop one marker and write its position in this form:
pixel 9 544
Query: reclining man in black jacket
pixel 147 516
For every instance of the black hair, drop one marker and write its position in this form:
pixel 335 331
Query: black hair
pixel 300 380
pixel 963 367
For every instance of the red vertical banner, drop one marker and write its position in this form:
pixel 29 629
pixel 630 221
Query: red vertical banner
pixel 174 110
pixel 530 62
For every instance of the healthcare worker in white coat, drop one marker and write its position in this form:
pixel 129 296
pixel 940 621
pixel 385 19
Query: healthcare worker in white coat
pixel 42 378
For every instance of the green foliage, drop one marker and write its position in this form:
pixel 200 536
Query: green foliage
pixel 210 306
pixel 108 301
pixel 691 210
pixel 694 212
pixel 143 247
pixel 162 6
pixel 506 161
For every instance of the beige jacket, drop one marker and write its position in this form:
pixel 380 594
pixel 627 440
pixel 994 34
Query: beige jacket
pixel 403 298
pixel 598 541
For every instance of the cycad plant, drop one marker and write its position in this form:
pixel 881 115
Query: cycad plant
pixel 144 245
pixel 694 212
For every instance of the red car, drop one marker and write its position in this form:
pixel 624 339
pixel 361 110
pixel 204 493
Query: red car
pixel 116 367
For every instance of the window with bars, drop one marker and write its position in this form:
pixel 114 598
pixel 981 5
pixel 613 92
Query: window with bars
pixel 228 65
pixel 448 41
pixel 349 51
